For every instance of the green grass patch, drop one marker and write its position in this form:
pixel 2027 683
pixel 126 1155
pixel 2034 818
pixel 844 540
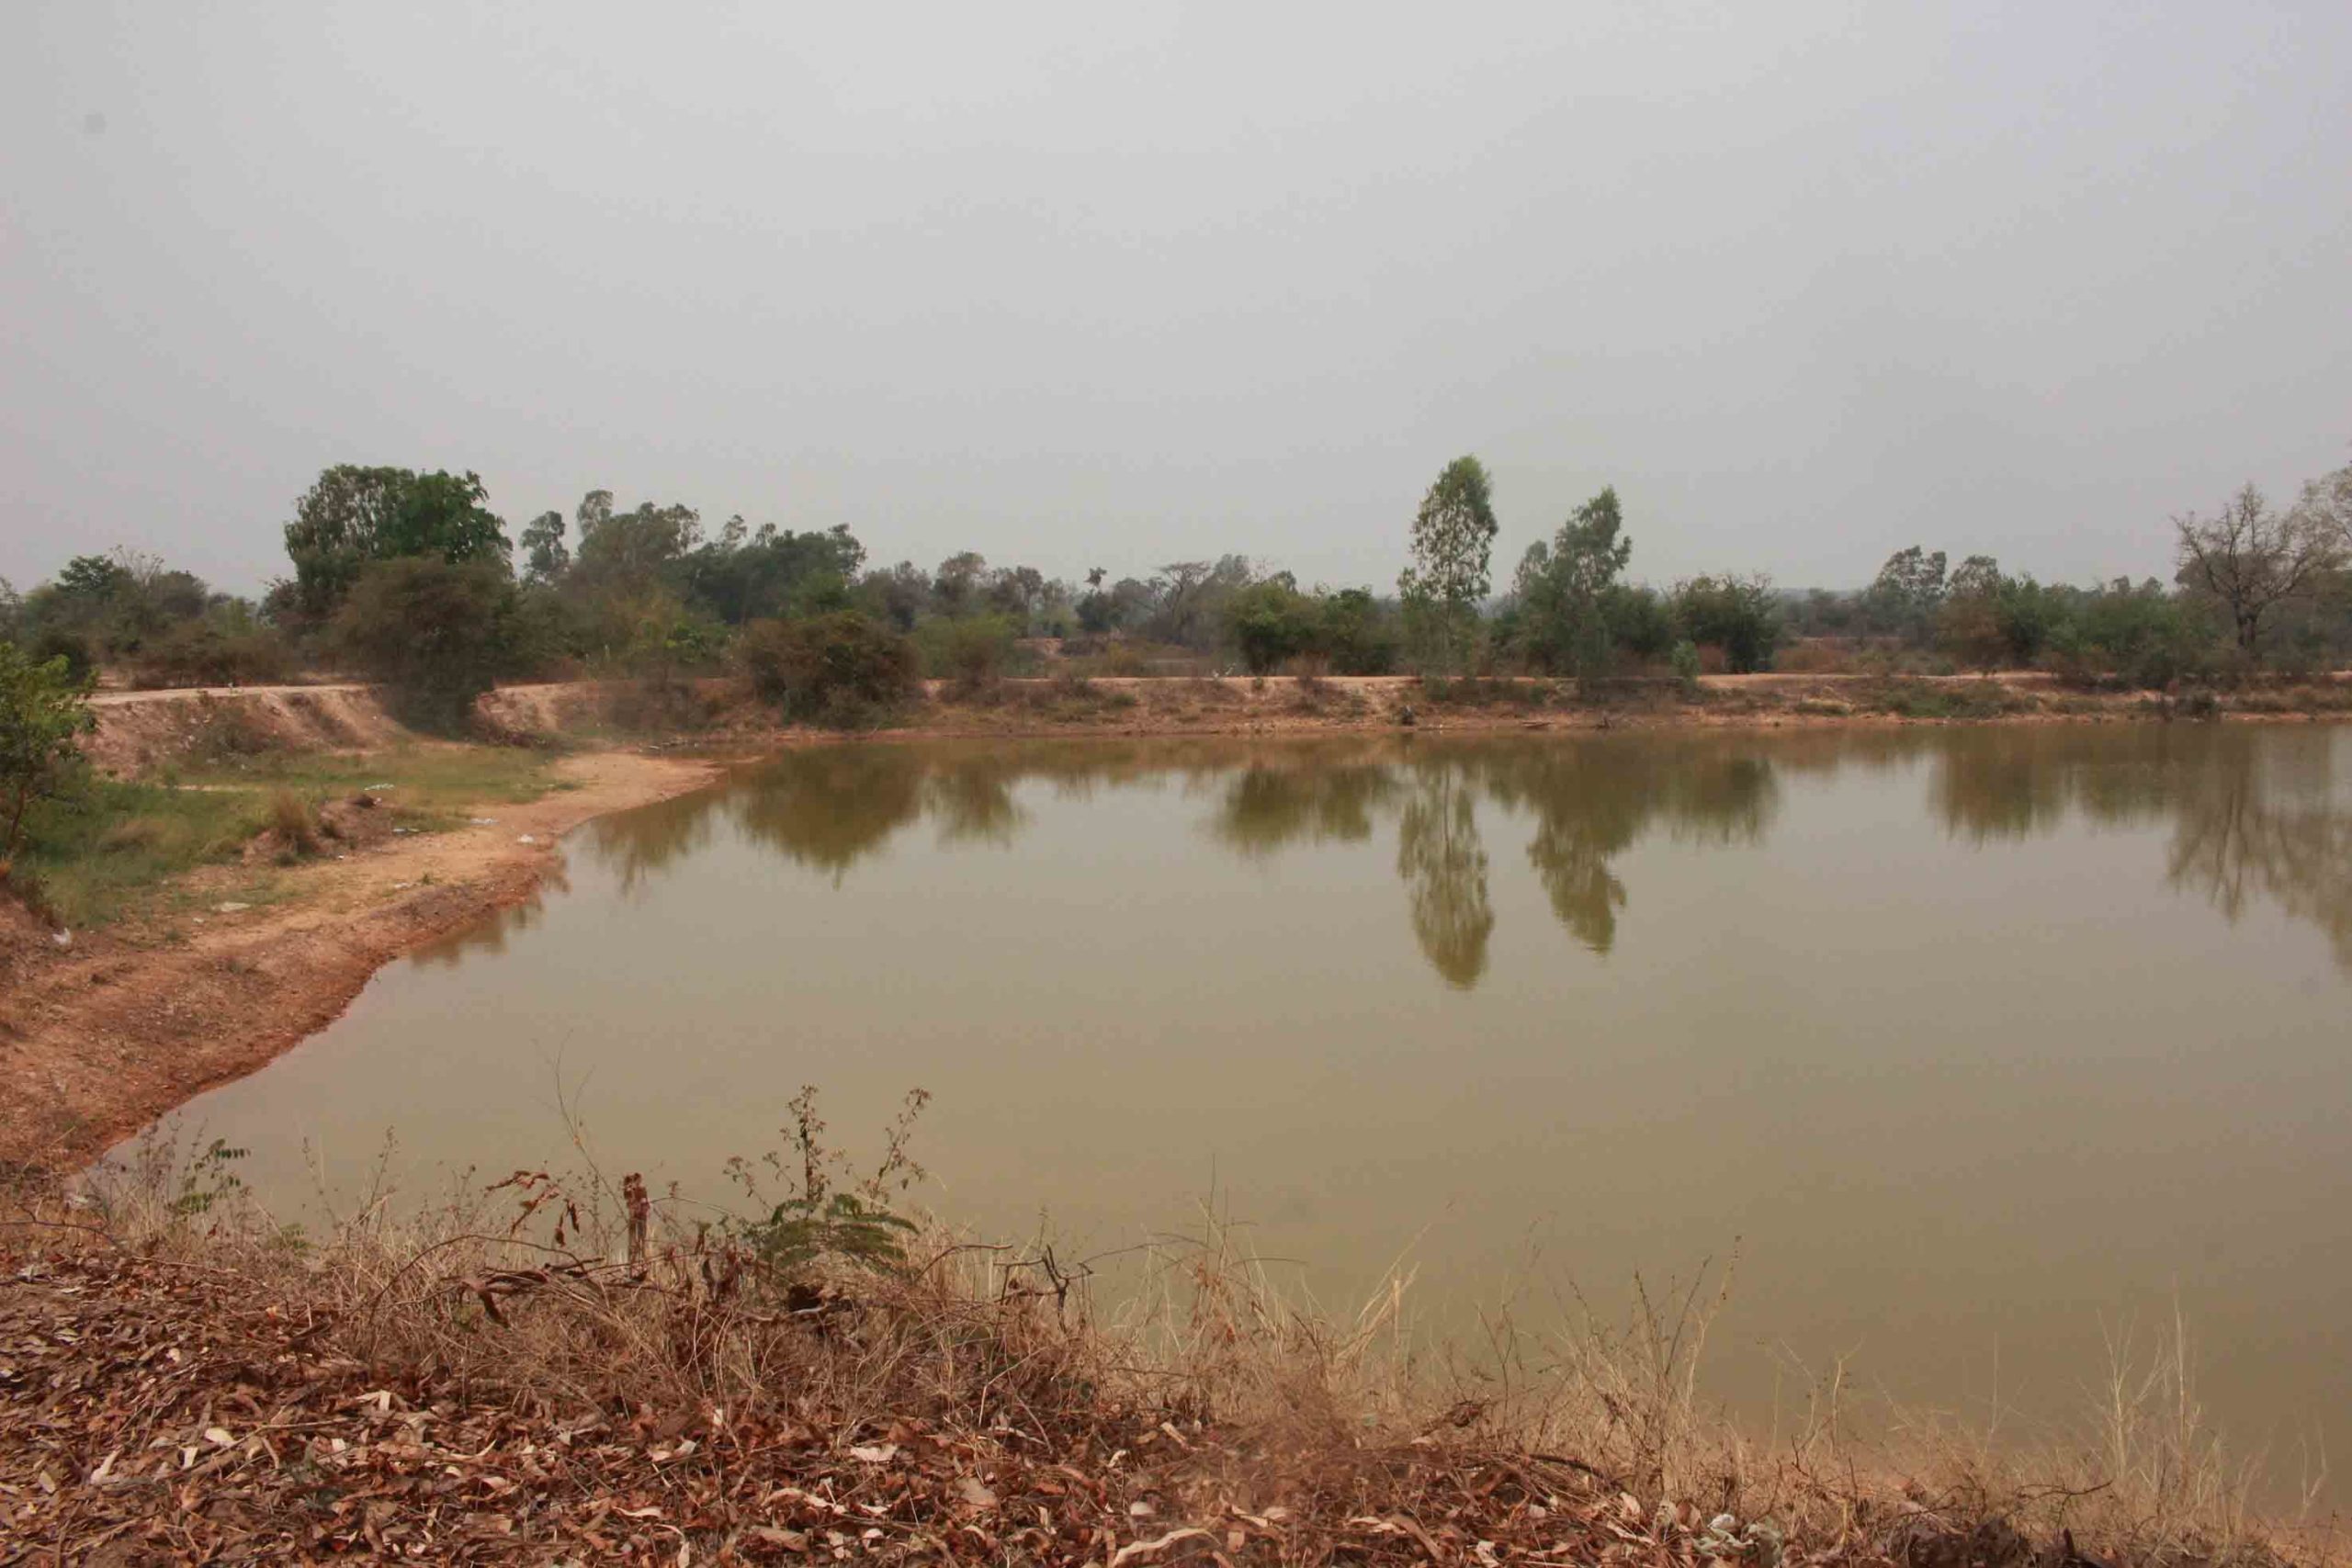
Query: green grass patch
pixel 428 786
pixel 113 848
pixel 1946 700
pixel 95 852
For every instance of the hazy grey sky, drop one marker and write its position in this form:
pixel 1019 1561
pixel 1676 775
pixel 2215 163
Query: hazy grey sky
pixel 1119 284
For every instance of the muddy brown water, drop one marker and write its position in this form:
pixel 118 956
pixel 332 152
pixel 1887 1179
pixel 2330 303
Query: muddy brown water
pixel 1981 1046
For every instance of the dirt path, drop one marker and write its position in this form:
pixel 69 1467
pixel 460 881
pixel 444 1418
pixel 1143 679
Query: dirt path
pixel 99 1039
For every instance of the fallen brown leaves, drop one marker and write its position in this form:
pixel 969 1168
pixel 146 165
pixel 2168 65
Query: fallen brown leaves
pixel 179 1405
pixel 154 1411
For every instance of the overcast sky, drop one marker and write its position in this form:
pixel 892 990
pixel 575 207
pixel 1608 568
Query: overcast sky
pixel 1120 284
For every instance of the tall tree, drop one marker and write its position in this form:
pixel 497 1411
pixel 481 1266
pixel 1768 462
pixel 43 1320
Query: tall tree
pixel 1909 594
pixel 353 515
pixel 1563 586
pixel 1454 539
pixel 544 556
pixel 2250 559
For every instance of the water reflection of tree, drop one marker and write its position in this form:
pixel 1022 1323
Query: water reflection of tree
pixel 2241 838
pixel 636 845
pixel 488 937
pixel 1592 801
pixel 1272 802
pixel 1444 868
pixel 2254 812
pixel 971 799
pixel 828 808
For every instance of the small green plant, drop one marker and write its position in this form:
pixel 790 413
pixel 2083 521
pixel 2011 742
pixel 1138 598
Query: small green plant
pixel 820 1218
pixel 209 1178
pixel 1685 660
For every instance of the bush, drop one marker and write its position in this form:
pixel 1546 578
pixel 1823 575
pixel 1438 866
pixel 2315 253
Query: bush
pixel 1685 659
pixel 839 668
pixel 1270 622
pixel 970 651
pixel 1638 622
pixel 200 653
pixel 436 635
pixel 2144 636
pixel 77 649
pixel 1359 637
pixel 292 820
pixel 44 712
pixel 1735 613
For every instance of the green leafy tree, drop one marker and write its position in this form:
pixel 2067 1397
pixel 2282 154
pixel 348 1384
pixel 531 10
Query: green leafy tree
pixel 1271 622
pixel 955 587
pixel 632 552
pixel 353 515
pixel 1359 634
pixel 839 668
pixel 545 557
pixel 2149 638
pixel 1909 594
pixel 1968 624
pixel 1454 537
pixel 743 576
pixel 1737 614
pixel 93 580
pixel 1563 588
pixel 44 712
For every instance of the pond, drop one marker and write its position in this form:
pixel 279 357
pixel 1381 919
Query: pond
pixel 1980 1045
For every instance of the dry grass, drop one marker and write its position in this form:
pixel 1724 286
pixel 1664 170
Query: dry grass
pixel 295 823
pixel 661 1372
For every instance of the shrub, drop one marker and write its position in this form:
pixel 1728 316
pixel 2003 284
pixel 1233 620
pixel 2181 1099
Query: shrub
pixel 970 651
pixel 77 649
pixel 44 712
pixel 1270 622
pixel 436 635
pixel 1735 613
pixel 200 653
pixel 291 819
pixel 834 669
pixel 1685 659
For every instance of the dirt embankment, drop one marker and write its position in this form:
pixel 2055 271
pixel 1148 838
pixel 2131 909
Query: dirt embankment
pixel 142 730
pixel 103 1035
pixel 1131 706
pixel 138 730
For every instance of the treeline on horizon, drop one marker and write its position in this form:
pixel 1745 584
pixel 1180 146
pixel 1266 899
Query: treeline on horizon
pixel 409 578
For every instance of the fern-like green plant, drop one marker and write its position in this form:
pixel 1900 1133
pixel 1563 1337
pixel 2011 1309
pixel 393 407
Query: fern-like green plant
pixel 800 1231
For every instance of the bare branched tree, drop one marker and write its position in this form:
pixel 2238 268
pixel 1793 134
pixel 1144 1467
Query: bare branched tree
pixel 2251 560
